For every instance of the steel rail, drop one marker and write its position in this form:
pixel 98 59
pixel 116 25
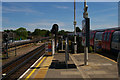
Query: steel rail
pixel 17 59
pixel 21 64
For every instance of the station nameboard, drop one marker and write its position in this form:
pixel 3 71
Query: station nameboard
pixel 85 32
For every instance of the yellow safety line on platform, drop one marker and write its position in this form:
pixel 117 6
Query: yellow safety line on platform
pixel 44 68
pixel 35 69
pixel 107 58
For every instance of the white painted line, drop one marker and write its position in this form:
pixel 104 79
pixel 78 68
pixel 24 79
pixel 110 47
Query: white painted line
pixel 30 67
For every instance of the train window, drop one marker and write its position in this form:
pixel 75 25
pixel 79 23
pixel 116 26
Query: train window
pixel 98 36
pixel 105 36
pixel 101 35
pixel 116 37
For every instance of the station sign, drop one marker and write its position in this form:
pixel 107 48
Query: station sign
pixel 85 31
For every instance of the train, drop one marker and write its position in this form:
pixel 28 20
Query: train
pixel 106 39
pixel 103 39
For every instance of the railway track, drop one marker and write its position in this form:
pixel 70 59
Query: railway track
pixel 13 45
pixel 18 47
pixel 15 68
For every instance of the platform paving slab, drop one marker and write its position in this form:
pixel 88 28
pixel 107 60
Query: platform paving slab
pixel 97 68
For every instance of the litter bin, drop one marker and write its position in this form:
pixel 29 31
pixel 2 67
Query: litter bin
pixel 49 48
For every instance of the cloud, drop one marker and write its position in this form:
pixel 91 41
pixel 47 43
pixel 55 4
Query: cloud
pixel 9 28
pixel 62 7
pixel 59 0
pixel 44 24
pixel 16 9
pixel 5 20
pixel 104 10
pixel 103 26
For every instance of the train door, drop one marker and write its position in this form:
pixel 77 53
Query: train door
pixel 107 44
pixel 91 38
pixel 104 40
pixel 108 39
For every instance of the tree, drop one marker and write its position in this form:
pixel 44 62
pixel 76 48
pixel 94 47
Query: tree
pixel 78 29
pixel 29 32
pixel 22 33
pixel 42 33
pixel 47 33
pixel 36 32
pixel 62 32
pixel 9 30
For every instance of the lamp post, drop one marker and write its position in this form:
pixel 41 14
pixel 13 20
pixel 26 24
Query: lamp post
pixel 75 44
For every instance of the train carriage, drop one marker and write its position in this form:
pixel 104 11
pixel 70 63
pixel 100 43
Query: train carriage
pixel 107 39
pixel 115 44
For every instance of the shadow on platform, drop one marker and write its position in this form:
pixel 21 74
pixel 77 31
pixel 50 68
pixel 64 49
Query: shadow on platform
pixel 61 51
pixel 61 65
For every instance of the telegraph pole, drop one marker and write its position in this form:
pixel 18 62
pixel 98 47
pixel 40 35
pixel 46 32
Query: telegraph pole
pixel 75 43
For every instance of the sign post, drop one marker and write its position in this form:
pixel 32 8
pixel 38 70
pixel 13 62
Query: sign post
pixel 85 33
pixel 75 43
pixel 66 52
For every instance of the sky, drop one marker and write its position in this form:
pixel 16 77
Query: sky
pixel 43 15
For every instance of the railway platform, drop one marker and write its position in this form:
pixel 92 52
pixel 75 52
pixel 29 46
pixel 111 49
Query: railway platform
pixel 99 66
pixel 54 68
